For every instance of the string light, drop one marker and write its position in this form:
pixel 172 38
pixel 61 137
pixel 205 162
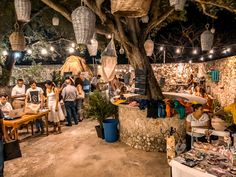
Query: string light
pixel 108 36
pixel 71 50
pixel 161 48
pixel 4 53
pixel 73 45
pixel 195 51
pixel 52 48
pixel 29 51
pixel 228 49
pixel 202 58
pixel 44 52
pixel 210 56
pixel 178 51
pixel 190 61
pixel 211 51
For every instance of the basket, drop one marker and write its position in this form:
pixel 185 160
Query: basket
pixel 130 8
pixel 17 40
pixel 207 39
pixel 149 47
pixel 23 10
pixel 93 47
pixel 83 20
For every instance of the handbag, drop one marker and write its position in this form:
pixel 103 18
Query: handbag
pixel 11 150
pixel 32 108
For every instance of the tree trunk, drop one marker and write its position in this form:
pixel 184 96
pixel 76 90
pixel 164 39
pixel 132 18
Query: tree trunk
pixel 139 60
pixel 7 71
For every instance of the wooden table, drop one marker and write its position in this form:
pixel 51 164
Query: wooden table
pixel 26 119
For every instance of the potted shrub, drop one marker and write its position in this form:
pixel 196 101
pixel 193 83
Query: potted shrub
pixel 100 108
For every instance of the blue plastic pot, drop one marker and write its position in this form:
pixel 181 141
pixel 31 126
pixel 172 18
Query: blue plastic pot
pixel 111 130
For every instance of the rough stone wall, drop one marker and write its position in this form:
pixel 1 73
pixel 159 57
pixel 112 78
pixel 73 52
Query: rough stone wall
pixel 140 132
pixel 225 90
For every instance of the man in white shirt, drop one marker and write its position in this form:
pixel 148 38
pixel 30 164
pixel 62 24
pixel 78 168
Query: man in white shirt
pixel 18 94
pixel 5 106
pixel 35 95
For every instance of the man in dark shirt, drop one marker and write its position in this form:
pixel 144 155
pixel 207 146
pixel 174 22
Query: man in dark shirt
pixel 1 144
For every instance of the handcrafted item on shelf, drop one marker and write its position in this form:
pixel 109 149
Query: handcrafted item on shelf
pixel 55 21
pixel 215 75
pixel 93 46
pixel 207 38
pixel 17 39
pixel 179 6
pixel 149 47
pixel 83 20
pixel 130 8
pixel 23 10
pixel 109 61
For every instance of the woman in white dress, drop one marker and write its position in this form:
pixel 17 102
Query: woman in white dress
pixel 56 113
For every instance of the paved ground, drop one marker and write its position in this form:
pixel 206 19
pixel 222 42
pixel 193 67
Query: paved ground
pixel 77 152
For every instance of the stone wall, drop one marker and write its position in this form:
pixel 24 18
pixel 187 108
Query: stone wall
pixel 140 132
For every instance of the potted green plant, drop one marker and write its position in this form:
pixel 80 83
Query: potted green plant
pixel 100 108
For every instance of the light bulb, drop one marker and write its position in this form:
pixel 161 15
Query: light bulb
pixel 122 51
pixel 190 61
pixel 228 49
pixel 99 66
pixel 108 36
pixel 210 56
pixel 178 50
pixel 161 48
pixel 213 30
pixel 202 58
pixel 195 51
pixel 52 48
pixel 211 51
pixel 4 53
pixel 29 51
pixel 71 50
pixel 73 45
pixel 44 52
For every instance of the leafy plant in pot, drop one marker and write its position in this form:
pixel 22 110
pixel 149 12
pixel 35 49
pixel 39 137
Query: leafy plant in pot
pixel 100 108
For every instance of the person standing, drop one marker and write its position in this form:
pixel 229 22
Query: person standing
pixel 69 94
pixel 35 95
pixel 55 114
pixel 94 82
pixel 1 144
pixel 79 101
pixel 18 95
pixel 5 106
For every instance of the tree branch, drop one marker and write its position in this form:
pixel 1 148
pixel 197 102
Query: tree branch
pixel 58 8
pixel 217 5
pixel 156 22
pixel 206 13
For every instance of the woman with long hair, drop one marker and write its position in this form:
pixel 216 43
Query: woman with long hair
pixel 55 114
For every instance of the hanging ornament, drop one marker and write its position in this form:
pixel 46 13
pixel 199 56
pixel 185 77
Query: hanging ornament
pixel 145 19
pixel 23 10
pixel 180 5
pixel 93 46
pixel 149 47
pixel 207 39
pixel 55 21
pixel 83 20
pixel 0 70
pixel 17 39
pixel 122 51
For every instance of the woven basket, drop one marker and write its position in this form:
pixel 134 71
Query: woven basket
pixel 17 41
pixel 149 47
pixel 83 20
pixel 55 21
pixel 130 8
pixel 93 47
pixel 23 10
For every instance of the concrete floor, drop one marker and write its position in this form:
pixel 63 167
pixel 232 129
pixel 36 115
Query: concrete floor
pixel 77 152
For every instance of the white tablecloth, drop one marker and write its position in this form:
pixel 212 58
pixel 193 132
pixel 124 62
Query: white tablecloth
pixel 180 170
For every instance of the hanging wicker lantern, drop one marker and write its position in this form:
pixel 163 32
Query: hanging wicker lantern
pixel 23 10
pixel 122 50
pixel 93 47
pixel 149 47
pixel 83 20
pixel 109 61
pixel 130 8
pixel 55 21
pixel 207 39
pixel 145 19
pixel 173 2
pixel 180 5
pixel 17 40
